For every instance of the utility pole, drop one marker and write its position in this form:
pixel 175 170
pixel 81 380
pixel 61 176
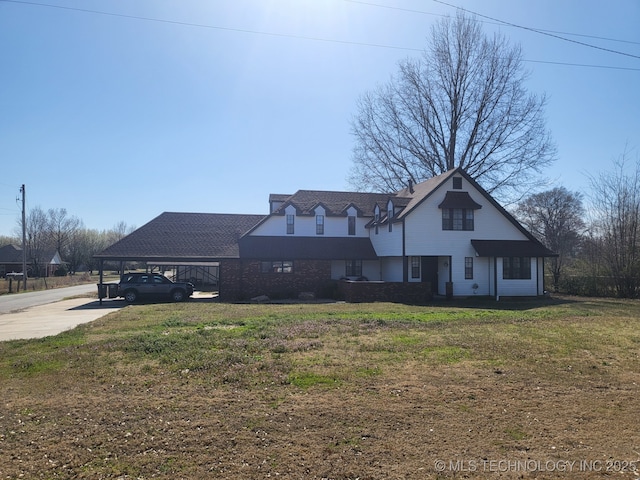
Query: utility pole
pixel 24 240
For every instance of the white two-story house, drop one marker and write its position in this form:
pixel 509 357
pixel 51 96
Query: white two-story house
pixel 445 237
pixel 447 233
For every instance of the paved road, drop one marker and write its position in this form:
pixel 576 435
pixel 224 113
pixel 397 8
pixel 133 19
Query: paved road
pixel 19 301
pixel 40 314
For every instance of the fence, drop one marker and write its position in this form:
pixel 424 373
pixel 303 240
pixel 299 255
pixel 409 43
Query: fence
pixel 45 283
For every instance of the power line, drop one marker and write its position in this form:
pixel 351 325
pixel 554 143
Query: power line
pixel 304 37
pixel 542 32
pixel 586 65
pixel 213 27
pixel 497 22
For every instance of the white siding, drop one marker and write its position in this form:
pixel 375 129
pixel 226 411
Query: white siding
pixel 391 268
pixel 387 243
pixel 517 287
pixel 305 226
pixel 371 269
pixel 482 276
pixel 425 237
pixel 540 272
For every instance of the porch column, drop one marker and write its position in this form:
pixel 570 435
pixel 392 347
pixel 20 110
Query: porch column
pixel 495 278
pixel 101 268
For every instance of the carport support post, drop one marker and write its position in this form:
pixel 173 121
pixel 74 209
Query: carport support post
pixel 101 277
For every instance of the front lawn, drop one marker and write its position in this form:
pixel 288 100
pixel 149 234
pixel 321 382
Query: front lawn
pixel 213 390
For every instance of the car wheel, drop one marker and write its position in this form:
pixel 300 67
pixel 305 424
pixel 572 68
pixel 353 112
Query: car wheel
pixel 178 295
pixel 130 296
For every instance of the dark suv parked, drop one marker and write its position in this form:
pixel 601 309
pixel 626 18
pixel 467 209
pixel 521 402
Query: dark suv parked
pixel 148 285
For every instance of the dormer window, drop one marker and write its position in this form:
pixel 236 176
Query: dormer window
pixel 351 224
pixel 376 217
pixel 290 223
pixel 390 215
pixel 319 224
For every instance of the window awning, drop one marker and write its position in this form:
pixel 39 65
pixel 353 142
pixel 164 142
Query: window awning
pixel 459 200
pixel 511 248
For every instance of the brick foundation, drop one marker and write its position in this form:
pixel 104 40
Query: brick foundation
pixel 357 292
pixel 242 280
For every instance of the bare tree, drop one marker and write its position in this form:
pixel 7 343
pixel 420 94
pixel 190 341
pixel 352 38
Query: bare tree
pixel 37 237
pixel 462 104
pixel 556 218
pixel 6 240
pixel 119 231
pixel 85 244
pixel 56 230
pixel 62 229
pixel 616 212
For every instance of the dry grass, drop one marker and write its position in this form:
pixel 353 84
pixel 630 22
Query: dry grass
pixel 208 390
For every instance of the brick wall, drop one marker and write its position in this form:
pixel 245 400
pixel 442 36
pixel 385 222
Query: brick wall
pixel 243 279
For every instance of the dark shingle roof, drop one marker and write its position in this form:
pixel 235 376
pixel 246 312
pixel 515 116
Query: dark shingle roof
pixel 10 254
pixel 511 248
pixel 309 248
pixel 184 236
pixel 459 200
pixel 335 202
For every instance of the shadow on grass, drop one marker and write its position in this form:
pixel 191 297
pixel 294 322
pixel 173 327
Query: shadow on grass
pixel 505 303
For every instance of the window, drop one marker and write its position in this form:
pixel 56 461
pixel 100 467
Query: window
pixel 415 267
pixel 468 268
pixel 351 222
pixel 390 216
pixel 468 219
pixel 277 266
pixel 290 223
pixel 319 224
pixel 353 268
pixel 457 183
pixel 516 268
pixel 376 217
pixel 457 219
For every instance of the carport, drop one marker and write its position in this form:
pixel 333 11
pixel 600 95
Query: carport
pixel 188 244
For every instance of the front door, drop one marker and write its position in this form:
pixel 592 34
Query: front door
pixel 429 269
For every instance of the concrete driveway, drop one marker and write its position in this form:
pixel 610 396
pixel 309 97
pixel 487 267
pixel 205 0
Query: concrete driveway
pixel 40 314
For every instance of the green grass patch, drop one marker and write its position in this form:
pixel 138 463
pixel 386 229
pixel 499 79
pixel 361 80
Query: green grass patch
pixel 306 380
pixel 446 354
pixel 199 390
pixel 516 433
pixel 258 344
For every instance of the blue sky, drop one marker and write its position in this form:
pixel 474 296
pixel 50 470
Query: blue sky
pixel 218 103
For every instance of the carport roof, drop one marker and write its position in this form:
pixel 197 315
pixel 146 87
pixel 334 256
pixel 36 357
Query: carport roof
pixel 173 236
